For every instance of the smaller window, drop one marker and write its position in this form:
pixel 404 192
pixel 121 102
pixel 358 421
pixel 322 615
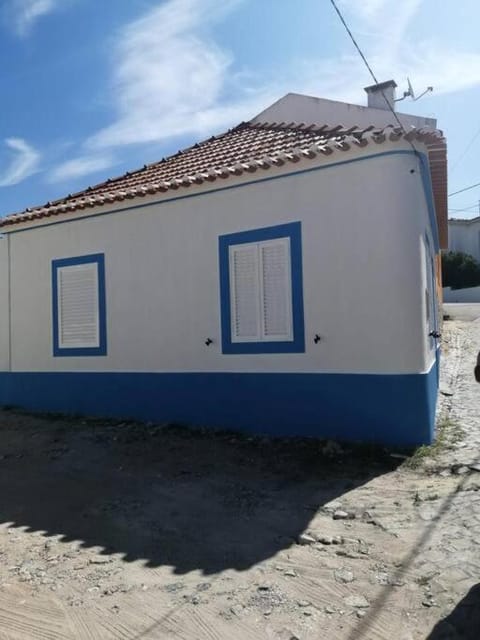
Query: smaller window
pixel 261 290
pixel 78 305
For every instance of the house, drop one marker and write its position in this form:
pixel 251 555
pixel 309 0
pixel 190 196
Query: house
pixel 464 236
pixel 279 278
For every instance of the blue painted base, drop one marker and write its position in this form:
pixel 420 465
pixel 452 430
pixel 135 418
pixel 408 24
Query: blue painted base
pixel 391 409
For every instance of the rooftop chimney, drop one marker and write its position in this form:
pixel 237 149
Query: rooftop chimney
pixel 376 93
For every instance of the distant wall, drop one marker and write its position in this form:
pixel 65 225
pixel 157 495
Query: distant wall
pixel 299 108
pixel 472 294
pixel 465 237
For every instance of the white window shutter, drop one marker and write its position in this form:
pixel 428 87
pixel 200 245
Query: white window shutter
pixel 276 289
pixel 78 313
pixel 244 293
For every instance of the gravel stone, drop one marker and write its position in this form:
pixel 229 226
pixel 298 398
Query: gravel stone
pixel 358 602
pixel 304 603
pixel 460 471
pixel 306 539
pixel 344 575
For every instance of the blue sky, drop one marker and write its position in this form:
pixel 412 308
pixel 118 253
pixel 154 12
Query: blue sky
pixel 92 88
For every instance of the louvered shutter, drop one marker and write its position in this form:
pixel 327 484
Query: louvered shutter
pixel 78 313
pixel 260 287
pixel 245 294
pixel 276 289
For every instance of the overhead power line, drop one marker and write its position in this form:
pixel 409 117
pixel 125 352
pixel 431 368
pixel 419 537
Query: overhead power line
pixel 465 151
pixel 455 211
pixel 472 206
pixel 370 69
pixel 472 186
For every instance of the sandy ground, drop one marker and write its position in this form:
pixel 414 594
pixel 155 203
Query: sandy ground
pixel 120 531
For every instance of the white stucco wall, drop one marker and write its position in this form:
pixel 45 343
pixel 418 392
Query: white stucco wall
pixel 4 315
pixel 295 107
pixel 361 228
pixel 465 236
pixel 470 294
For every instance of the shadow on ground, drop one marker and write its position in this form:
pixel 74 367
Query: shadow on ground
pixel 170 496
pixel 464 621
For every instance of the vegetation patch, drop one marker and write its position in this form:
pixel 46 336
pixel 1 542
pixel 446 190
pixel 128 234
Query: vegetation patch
pixel 460 270
pixel 448 433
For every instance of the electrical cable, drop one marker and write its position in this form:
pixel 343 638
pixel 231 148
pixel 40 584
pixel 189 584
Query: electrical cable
pixel 473 206
pixel 466 150
pixel 370 71
pixel 472 186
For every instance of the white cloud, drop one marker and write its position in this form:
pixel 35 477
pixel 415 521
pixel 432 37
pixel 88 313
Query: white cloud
pixel 169 78
pixel 377 11
pixel 447 69
pixel 379 25
pixel 79 167
pixel 383 29
pixel 366 9
pixel 26 12
pixel 428 64
pixel 24 163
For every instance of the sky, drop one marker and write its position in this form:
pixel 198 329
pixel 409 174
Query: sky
pixel 93 88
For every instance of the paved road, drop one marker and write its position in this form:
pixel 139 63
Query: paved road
pixel 459 399
pixel 132 533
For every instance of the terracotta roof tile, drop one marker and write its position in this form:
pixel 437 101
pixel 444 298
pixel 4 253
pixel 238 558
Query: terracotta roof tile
pixel 246 148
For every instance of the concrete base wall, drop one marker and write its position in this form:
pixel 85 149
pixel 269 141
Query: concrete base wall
pixel 471 294
pixel 390 409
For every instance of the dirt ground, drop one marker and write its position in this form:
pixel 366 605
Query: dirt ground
pixel 129 532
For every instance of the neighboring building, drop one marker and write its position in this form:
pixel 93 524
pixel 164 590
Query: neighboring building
pixel 464 236
pixel 279 278
pixel 331 112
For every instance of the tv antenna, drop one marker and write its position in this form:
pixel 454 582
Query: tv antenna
pixel 410 93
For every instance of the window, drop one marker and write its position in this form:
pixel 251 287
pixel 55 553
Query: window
pixel 78 306
pixel 261 290
pixel 260 285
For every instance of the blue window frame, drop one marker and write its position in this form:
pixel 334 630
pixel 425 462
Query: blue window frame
pixel 78 306
pixel 267 305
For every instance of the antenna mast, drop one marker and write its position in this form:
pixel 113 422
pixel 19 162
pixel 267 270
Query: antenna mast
pixel 410 93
